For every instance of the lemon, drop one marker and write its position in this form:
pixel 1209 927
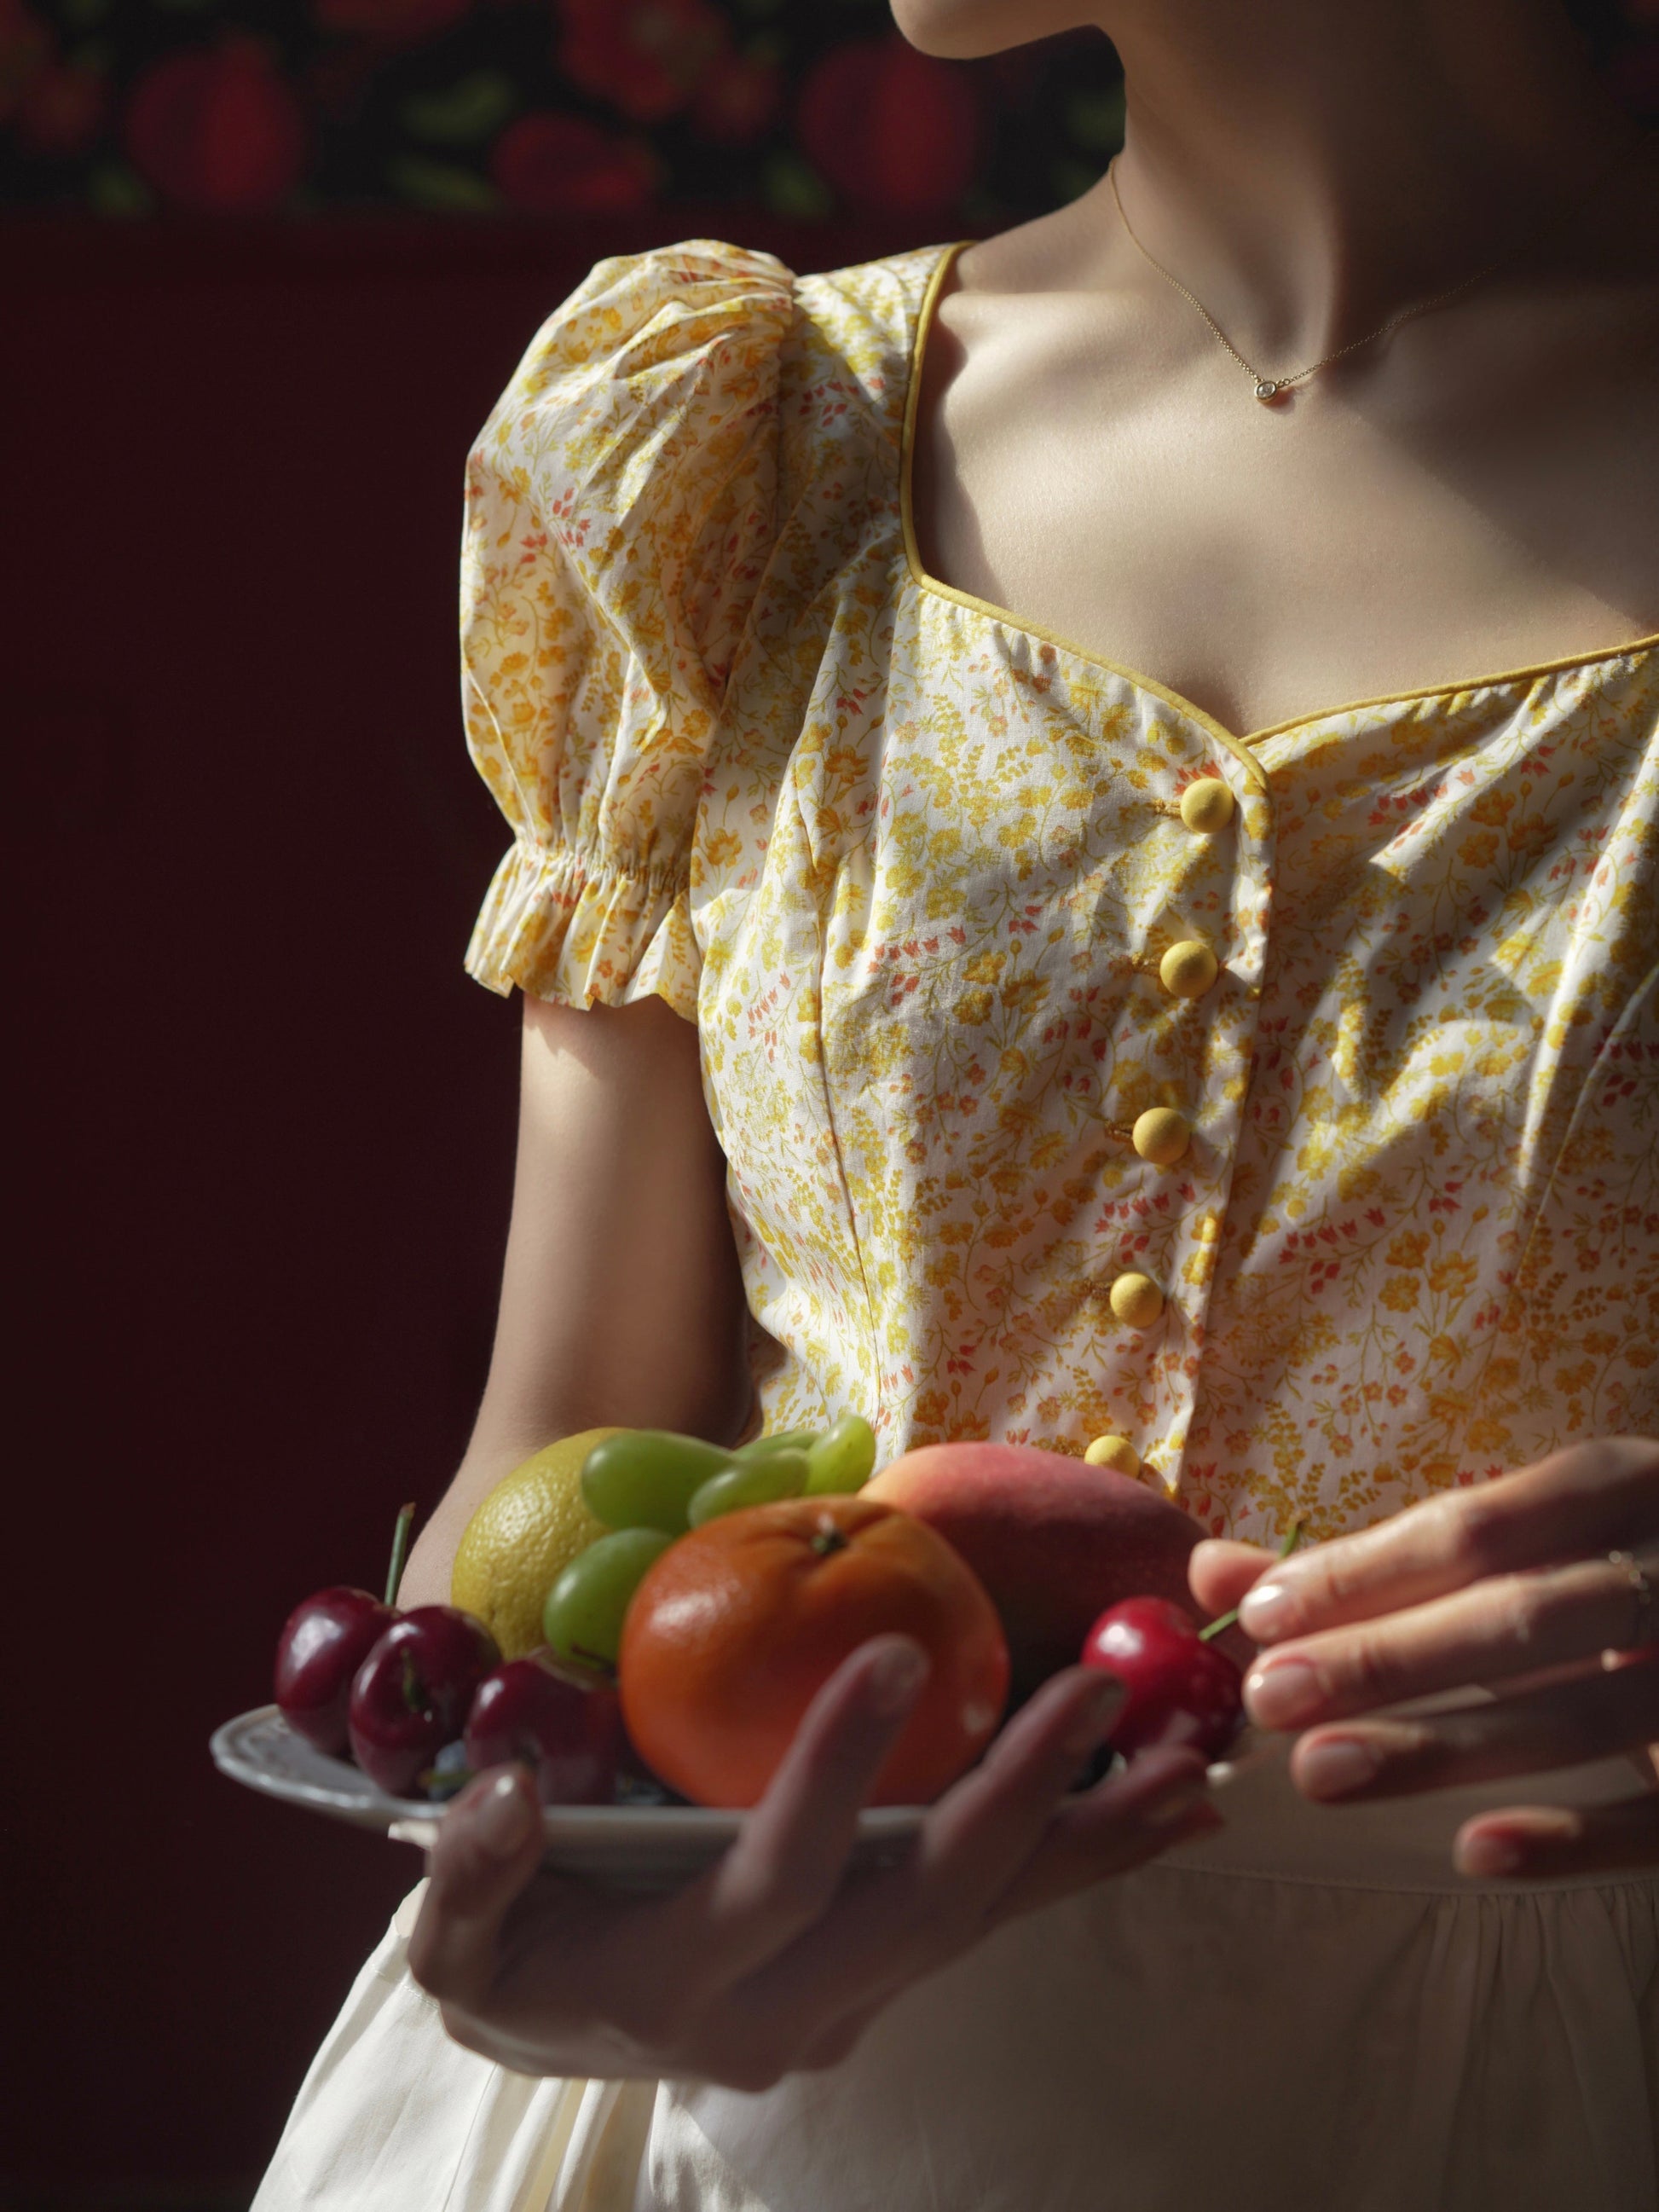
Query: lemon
pixel 521 1540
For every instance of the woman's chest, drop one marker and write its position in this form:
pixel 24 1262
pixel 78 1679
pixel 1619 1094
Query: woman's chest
pixel 1266 563
pixel 978 850
pixel 1019 982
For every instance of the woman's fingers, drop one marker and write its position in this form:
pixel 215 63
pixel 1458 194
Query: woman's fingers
pixel 1503 1626
pixel 888 1928
pixel 1157 1800
pixel 1220 1572
pixel 488 1847
pixel 979 1835
pixel 1534 1842
pixel 1590 1499
pixel 1596 1715
pixel 1161 1798
pixel 781 1874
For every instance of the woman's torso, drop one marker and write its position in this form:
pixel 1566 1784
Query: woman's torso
pixel 939 858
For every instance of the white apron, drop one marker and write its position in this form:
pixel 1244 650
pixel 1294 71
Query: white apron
pixel 1305 2012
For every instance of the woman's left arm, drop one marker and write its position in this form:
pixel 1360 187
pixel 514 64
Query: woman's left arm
pixel 1542 1587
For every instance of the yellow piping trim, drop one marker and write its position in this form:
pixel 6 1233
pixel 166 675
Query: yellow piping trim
pixel 1507 676
pixel 1235 745
pixel 924 582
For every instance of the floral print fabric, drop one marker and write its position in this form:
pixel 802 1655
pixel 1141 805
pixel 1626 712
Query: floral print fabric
pixel 913 866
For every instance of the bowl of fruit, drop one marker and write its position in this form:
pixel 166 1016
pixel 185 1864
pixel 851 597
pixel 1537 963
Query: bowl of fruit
pixel 642 1618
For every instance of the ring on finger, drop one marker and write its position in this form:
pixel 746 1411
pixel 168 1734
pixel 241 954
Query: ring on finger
pixel 1644 1628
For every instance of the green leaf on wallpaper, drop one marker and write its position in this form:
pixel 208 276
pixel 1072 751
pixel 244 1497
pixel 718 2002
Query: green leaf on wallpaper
pixel 443 187
pixel 791 187
pixel 81 15
pixel 1095 119
pixel 113 190
pixel 464 115
pixel 1070 180
pixel 981 209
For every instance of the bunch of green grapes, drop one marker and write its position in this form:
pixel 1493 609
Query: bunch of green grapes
pixel 649 1486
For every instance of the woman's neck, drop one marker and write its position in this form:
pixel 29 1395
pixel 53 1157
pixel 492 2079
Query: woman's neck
pixel 1308 169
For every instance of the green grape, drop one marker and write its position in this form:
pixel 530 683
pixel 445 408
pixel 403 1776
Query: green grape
pixel 582 1619
pixel 844 1459
pixel 783 1440
pixel 644 1478
pixel 758 1482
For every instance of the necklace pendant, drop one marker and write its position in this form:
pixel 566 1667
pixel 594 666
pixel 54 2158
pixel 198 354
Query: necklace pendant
pixel 1266 391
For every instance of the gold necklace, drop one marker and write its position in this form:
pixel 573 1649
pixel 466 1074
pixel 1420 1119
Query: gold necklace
pixel 1270 389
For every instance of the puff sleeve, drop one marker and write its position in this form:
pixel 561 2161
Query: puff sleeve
pixel 619 515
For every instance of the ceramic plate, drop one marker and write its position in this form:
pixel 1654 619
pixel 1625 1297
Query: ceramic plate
pixel 628 1846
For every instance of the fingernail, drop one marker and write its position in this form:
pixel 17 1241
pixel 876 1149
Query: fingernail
pixel 1282 1693
pixel 504 1819
pixel 1168 1812
pixel 1094 1715
pixel 894 1679
pixel 1488 1854
pixel 1333 1768
pixel 1267 1612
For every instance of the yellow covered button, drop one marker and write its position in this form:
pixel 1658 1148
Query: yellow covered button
pixel 1206 806
pixel 1161 1135
pixel 1137 1300
pixel 1115 1452
pixel 1187 969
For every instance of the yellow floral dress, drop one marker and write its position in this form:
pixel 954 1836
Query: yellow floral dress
pixel 1284 1106
pixel 916 868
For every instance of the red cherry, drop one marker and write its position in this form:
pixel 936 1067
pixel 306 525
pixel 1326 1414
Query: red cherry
pixel 412 1694
pixel 568 1732
pixel 1182 1690
pixel 323 1643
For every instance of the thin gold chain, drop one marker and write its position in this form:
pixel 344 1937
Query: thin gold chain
pixel 1269 388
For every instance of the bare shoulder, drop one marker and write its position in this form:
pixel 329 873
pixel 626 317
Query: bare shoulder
pixel 1049 300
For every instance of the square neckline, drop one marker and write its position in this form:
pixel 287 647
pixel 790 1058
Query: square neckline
pixel 1239 745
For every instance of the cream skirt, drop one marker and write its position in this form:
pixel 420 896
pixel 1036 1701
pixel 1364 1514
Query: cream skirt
pixel 1307 2011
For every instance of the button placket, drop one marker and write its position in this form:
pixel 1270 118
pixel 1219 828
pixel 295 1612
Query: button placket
pixel 1179 1284
pixel 1114 1452
pixel 1207 805
pixel 1161 1136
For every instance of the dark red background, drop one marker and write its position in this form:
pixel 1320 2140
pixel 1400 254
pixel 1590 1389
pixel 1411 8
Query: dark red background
pixel 263 1175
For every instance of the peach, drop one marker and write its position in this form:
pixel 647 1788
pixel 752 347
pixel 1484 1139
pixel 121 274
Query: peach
pixel 1054 1541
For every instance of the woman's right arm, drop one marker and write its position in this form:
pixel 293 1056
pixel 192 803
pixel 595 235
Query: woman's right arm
pixel 622 1301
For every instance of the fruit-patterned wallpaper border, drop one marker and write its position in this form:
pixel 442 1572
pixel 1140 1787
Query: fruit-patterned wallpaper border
pixel 812 110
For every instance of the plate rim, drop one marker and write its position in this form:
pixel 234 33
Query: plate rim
pixel 595 1824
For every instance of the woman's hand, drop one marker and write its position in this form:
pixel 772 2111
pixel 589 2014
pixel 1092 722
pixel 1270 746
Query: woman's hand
pixel 1508 1585
pixel 776 1959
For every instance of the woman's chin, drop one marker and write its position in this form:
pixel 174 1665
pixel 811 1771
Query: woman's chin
pixel 967 30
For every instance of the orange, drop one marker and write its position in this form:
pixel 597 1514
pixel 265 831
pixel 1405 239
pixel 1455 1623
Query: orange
pixel 736 1626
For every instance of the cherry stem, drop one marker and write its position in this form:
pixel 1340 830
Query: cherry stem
pixel 399 1551
pixel 1226 1620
